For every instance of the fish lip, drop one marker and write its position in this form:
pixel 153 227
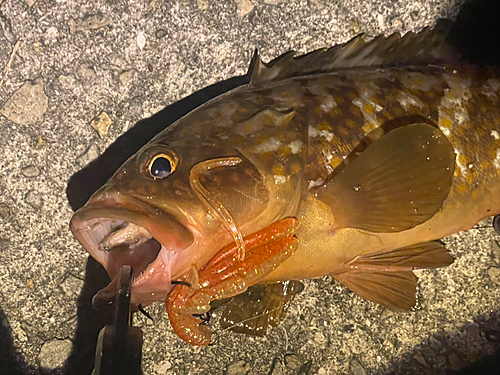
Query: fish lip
pixel 113 208
pixel 129 209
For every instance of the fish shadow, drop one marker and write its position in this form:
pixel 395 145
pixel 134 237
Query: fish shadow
pixel 11 362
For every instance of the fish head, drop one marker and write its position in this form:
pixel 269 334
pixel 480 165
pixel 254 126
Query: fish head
pixel 171 207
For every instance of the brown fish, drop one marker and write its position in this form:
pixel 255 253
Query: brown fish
pixel 347 162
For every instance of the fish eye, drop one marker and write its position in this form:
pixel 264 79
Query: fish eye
pixel 161 166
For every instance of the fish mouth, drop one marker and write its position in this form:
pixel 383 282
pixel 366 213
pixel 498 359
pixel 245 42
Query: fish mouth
pixel 118 231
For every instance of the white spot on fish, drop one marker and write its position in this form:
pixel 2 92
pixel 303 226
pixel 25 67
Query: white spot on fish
pixel 495 135
pixel 418 81
pixel 314 183
pixel 327 103
pixel 457 97
pixel 496 162
pixel 463 167
pixel 406 100
pixel 279 180
pixel 295 146
pixel 271 145
pixel 313 132
pixel 327 157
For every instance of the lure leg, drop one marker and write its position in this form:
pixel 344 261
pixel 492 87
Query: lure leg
pixel 226 276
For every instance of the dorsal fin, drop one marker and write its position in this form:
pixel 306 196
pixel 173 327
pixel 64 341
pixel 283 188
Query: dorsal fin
pixel 429 46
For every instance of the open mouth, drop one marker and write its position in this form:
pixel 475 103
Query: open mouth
pixel 142 236
pixel 119 243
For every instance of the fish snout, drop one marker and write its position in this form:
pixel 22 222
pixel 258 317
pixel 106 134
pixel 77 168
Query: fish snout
pixel 118 230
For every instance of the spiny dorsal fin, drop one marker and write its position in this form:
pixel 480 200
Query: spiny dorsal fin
pixel 429 46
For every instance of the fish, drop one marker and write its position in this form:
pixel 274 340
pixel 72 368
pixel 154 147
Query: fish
pixel 350 162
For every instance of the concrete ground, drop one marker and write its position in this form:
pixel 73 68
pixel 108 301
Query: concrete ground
pixel 67 65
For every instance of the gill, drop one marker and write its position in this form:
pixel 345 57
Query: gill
pixel 207 198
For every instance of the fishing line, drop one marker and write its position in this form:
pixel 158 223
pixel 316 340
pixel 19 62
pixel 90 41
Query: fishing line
pixel 495 224
pixel 145 313
pixel 178 282
pixel 207 198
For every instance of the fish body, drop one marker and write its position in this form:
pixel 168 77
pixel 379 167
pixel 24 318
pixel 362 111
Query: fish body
pixel 375 154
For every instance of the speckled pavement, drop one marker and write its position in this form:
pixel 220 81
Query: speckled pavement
pixel 77 74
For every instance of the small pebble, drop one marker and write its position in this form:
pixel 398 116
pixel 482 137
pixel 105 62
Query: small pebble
pixel 162 367
pixel 33 199
pixel 86 74
pixel 397 24
pixel 7 29
pixel 127 76
pixel 53 354
pixel 102 124
pixel 92 22
pixel 238 368
pixel 354 26
pixel 90 154
pixel 67 82
pixel 28 104
pixel 72 286
pixel 37 46
pixel 141 40
pixel 30 171
pixel 4 211
pixel 292 362
pixel 386 314
pixel 244 7
pixel 356 368
pixel 202 4
pixel 494 274
pixel 161 33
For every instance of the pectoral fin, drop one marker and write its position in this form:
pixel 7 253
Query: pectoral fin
pixel 397 183
pixel 387 278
